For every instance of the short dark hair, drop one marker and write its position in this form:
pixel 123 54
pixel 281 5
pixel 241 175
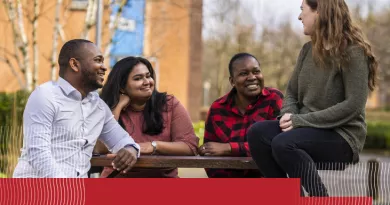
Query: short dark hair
pixel 239 56
pixel 69 50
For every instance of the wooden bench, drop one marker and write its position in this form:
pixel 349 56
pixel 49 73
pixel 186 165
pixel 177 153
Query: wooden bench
pixel 158 162
pixel 154 162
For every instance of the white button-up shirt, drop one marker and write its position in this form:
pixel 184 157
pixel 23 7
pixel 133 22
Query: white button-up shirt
pixel 61 129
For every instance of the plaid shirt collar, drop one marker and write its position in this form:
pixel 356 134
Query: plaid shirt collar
pixel 228 100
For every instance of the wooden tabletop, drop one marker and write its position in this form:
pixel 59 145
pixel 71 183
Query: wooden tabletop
pixel 182 162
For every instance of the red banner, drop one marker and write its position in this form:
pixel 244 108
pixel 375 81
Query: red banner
pixel 156 191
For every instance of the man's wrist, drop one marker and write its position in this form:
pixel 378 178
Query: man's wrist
pixel 132 145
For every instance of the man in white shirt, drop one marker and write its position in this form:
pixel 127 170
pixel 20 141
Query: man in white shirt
pixel 63 120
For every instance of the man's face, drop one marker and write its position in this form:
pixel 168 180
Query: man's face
pixel 92 66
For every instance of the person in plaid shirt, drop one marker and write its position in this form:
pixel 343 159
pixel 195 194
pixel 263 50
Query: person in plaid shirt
pixel 230 116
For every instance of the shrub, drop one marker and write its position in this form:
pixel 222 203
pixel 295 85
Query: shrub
pixel 12 107
pixel 199 131
pixel 378 135
pixel 11 116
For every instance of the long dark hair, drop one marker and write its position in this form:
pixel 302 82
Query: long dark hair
pixel 335 26
pixel 117 79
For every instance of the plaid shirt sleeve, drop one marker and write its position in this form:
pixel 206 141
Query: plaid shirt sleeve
pixel 209 136
pixel 209 132
pixel 240 149
pixel 275 105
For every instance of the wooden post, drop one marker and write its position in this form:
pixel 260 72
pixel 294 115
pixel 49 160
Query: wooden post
pixel 373 179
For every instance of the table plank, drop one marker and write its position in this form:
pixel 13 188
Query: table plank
pixel 182 162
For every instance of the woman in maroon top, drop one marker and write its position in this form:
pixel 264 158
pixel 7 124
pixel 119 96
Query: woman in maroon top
pixel 230 116
pixel 157 122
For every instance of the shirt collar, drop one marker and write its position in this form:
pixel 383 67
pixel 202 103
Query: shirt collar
pixel 67 88
pixel 229 97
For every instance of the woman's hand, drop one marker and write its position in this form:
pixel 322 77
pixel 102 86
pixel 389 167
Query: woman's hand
pixel 146 148
pixel 124 101
pixel 285 122
pixel 215 149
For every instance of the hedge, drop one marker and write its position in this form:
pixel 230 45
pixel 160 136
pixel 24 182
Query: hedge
pixel 378 135
pixel 11 116
pixel 199 131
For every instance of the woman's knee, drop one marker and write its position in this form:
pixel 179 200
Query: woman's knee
pixel 282 142
pixel 259 130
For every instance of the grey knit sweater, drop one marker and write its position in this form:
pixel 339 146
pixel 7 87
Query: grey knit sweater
pixel 330 98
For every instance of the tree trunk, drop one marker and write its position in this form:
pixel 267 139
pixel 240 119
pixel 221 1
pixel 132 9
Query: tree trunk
pixel 56 31
pixel 114 27
pixel 24 46
pixel 11 13
pixel 90 18
pixel 35 44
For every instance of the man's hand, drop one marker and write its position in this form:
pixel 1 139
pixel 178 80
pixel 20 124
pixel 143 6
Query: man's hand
pixel 215 149
pixel 285 122
pixel 125 159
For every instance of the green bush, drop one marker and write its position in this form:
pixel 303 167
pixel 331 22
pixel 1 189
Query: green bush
pixel 378 135
pixel 12 107
pixel 199 131
pixel 2 175
pixel 11 117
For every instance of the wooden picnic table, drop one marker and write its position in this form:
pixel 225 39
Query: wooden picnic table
pixel 181 162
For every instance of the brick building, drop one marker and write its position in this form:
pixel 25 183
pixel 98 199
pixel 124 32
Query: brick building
pixel 171 40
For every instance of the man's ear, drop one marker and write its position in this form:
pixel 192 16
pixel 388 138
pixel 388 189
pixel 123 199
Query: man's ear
pixel 231 81
pixel 74 65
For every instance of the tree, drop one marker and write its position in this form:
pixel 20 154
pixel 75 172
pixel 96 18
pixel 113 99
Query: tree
pixel 235 30
pixel 376 26
pixel 15 14
pixel 22 58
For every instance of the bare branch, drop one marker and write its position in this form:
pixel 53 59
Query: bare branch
pixel 24 45
pixel 114 27
pixel 35 44
pixel 89 18
pixel 11 13
pixel 43 12
pixel 56 31
pixel 13 70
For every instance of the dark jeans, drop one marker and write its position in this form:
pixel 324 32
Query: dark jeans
pixel 298 153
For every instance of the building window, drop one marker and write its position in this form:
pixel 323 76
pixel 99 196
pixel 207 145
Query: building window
pixel 79 4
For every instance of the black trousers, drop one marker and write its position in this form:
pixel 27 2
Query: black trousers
pixel 298 153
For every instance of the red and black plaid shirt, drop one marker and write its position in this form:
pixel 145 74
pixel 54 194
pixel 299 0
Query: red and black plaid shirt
pixel 225 124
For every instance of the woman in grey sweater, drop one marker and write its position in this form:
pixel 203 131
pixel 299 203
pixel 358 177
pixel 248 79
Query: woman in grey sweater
pixel 322 121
